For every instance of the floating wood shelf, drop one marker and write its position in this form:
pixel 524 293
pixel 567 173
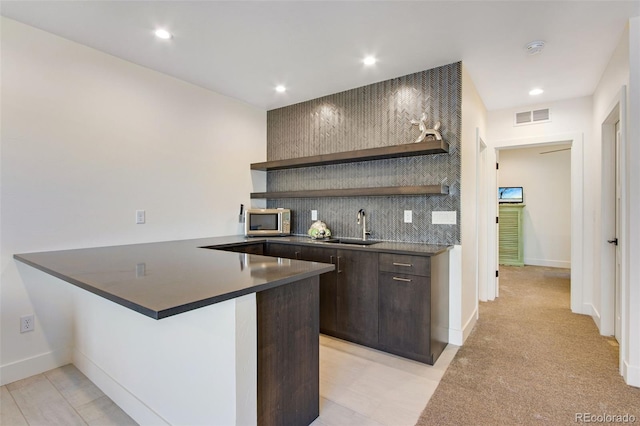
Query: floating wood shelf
pixel 354 192
pixel 396 151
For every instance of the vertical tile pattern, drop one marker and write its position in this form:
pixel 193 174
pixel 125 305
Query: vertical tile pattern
pixel 367 117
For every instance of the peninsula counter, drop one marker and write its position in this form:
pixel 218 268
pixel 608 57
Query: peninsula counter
pixel 176 333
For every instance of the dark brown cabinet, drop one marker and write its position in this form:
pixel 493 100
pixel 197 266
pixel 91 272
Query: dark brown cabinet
pixel 328 285
pixel 357 296
pixel 348 296
pixel 404 315
pixel 288 251
pixel 411 321
pixel 251 248
pixel 328 280
pixel 398 303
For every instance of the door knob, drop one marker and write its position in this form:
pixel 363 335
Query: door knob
pixel 614 241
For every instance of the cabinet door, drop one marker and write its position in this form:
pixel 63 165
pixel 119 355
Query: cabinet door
pixel 510 243
pixel 357 296
pixel 288 251
pixel 404 309
pixel 328 283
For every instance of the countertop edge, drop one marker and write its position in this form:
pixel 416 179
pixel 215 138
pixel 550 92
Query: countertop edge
pixel 381 247
pixel 91 289
pixel 235 294
pixel 175 310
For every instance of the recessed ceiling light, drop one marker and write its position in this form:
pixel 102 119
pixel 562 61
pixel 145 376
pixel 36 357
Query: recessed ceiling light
pixel 369 60
pixel 280 89
pixel 534 92
pixel 163 34
pixel 534 47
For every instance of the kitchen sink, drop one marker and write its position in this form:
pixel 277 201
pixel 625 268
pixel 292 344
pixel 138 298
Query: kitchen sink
pixel 352 241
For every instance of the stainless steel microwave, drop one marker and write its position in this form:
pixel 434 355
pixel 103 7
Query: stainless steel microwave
pixel 265 222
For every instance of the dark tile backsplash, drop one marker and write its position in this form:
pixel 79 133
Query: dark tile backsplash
pixel 367 117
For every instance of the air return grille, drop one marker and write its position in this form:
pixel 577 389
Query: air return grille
pixel 532 117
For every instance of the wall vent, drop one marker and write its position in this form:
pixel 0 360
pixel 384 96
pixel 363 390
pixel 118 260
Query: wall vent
pixel 532 117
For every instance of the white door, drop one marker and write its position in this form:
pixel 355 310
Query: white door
pixel 495 198
pixel 618 291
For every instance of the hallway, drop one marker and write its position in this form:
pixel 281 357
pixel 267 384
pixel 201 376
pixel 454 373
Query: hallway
pixel 529 360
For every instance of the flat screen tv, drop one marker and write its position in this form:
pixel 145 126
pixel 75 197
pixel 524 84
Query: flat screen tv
pixel 510 194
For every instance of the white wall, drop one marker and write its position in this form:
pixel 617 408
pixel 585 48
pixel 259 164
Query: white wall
pixel 86 140
pixel 623 69
pixel 607 93
pixel 464 291
pixel 570 122
pixel 632 284
pixel 546 179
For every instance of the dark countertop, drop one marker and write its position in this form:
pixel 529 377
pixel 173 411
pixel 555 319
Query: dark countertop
pixel 418 249
pixel 167 278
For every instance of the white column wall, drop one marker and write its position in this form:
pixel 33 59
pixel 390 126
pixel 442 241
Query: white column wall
pixel 87 139
pixel 464 285
pixel 631 357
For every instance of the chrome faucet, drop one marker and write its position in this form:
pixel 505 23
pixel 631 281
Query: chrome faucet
pixel 362 216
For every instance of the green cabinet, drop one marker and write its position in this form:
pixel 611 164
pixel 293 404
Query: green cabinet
pixel 510 240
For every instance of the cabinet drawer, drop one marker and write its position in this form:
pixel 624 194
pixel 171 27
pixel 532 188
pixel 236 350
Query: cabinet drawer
pixel 405 264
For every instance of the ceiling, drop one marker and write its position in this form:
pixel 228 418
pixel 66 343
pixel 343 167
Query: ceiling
pixel 244 49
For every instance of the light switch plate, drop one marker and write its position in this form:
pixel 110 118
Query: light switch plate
pixel 408 216
pixel 314 214
pixel 444 218
pixel 140 217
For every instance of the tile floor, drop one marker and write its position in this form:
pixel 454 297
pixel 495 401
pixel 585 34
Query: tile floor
pixel 63 396
pixel 358 386
pixel 362 386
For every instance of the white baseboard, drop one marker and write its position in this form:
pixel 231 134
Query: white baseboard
pixel 458 337
pixel 632 375
pixel 131 405
pixel 547 262
pixel 24 368
pixel 591 310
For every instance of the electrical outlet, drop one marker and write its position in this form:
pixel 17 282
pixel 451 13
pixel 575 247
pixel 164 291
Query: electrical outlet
pixel 140 217
pixel 314 214
pixel 27 323
pixel 141 270
pixel 408 216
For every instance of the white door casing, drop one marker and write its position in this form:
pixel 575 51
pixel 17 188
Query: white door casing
pixel 578 269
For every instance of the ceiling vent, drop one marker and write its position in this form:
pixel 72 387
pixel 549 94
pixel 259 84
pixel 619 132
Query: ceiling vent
pixel 532 117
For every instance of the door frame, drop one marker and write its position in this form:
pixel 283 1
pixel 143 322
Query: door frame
pixel 482 216
pixel 578 268
pixel 617 111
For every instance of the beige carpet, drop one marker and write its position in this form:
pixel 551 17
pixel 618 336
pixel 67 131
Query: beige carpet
pixel 529 360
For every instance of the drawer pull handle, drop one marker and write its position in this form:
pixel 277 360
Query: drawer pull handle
pixel 408 265
pixel 406 280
